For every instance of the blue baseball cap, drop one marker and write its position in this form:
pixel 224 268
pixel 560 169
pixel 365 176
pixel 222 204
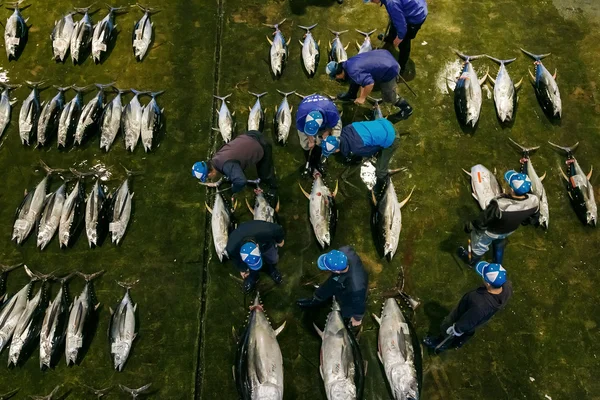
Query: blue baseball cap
pixel 494 274
pixel 250 253
pixel 330 145
pixel 200 171
pixel 519 183
pixel 335 260
pixel 313 123
pixel 331 69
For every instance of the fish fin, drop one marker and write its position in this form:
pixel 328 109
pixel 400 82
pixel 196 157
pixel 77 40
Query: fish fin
pixel 249 108
pixel 321 371
pixel 466 172
pixel 564 175
pixel 475 197
pixel 291 108
pixel 482 80
pixel 329 46
pixel 379 356
pixel 208 208
pixel 366 365
pixel 304 191
pixel 488 76
pixel 357 45
pixel 376 318
pixel 249 208
pixel 555 72
pixel 278 330
pixel 407 198
pixel 536 57
pixel 319 42
pixel 518 85
pixel 336 188
pixel 111 310
pixel 277 206
pixel 289 41
pixel 373 198
pixel 589 176
pixel 13 102
pixel 346 48
pixel 319 332
pixel 543 177
pixel 270 41
pixel 97 306
pixel 531 75
pixel 300 41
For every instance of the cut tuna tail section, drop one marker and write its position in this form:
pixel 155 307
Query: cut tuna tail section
pixel 499 61
pixel 536 57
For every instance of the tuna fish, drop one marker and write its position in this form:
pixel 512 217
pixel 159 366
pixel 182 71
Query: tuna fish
pixel 104 33
pixel 96 219
pixel 6 106
pixel 54 325
pixel 484 184
pixel 29 324
pixel 99 393
pixel 226 125
pixel 30 112
pixel 131 121
pixel 537 188
pixel 12 311
pixel 51 216
pixel 310 51
pixel 30 209
pixel 110 123
pixel 67 123
pixel 82 36
pixel 341 367
pixel 221 223
pixel 262 210
pixel 322 210
pixel 143 33
pixel 467 93
pixel 89 119
pixel 15 33
pixel 279 50
pixel 377 113
pixel 387 219
pixel 579 187
pixel 258 366
pixel 366 44
pixel 61 36
pixel 337 51
pixel 50 117
pixel 121 332
pixel 283 119
pixel 151 122
pixel 135 393
pixel 49 396
pixel 256 118
pixel 396 353
pixel 72 214
pixel 505 91
pixel 121 211
pixel 546 89
pixel 79 314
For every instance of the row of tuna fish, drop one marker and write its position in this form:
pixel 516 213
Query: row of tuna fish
pixel 99 393
pixel 68 212
pixel 279 53
pixel 258 368
pixel 581 193
pixel 73 122
pixel 468 95
pixel 23 319
pixel 80 37
pixel 282 119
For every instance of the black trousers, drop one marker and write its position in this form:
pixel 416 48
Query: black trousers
pixel 265 168
pixel 404 48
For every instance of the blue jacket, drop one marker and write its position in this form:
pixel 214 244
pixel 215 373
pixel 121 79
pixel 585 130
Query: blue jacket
pixel 403 12
pixel 370 67
pixel 366 138
pixel 349 288
pixel 316 102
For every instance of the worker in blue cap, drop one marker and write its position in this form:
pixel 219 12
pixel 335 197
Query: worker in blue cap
pixel 500 219
pixel 348 283
pixel 252 247
pixel 316 115
pixel 474 309
pixel 406 18
pixel 365 70
pixel 365 139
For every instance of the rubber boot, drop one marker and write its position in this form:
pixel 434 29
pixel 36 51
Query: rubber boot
pixel 274 274
pixel 250 282
pixel 404 113
pixel 463 254
pixel 498 248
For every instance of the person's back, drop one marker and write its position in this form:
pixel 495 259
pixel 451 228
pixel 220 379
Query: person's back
pixel 245 149
pixel 479 306
pixel 414 11
pixel 371 67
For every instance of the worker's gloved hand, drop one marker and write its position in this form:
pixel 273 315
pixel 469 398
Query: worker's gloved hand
pixel 309 303
pixel 452 331
pixel 468 227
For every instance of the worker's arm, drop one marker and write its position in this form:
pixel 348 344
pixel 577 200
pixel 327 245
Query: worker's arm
pixel 326 290
pixel 468 321
pixel 397 17
pixel 234 172
pixel 364 93
pixel 358 304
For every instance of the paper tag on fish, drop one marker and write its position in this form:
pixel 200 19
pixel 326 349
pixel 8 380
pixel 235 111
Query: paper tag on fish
pixel 137 43
pixel 115 347
pixel 77 341
pixel 101 47
pixel 25 126
pixel 21 224
pixel 13 41
pixel 138 32
pixel 113 226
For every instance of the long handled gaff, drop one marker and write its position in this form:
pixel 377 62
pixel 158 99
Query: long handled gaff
pixel 442 343
pixel 406 83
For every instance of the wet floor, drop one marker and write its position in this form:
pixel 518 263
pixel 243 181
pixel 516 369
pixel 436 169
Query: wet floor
pixel 544 344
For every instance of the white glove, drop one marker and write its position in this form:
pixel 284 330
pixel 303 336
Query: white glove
pixel 452 331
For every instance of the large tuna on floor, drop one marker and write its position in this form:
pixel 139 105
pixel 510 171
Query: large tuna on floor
pixel 467 93
pixel 67 123
pixel 61 36
pixel 121 211
pixel 82 36
pixel 256 116
pixel 221 223
pixel 505 91
pixel 484 184
pixel 72 215
pixel 50 219
pixel 546 89
pixel 341 366
pixel 30 112
pixel 6 106
pixel 104 33
pixel 143 32
pixel 225 120
pixel 366 44
pixel 152 116
pixel 396 353
pixel 258 366
pixel 131 121
pixel 15 33
pixel 262 210
pixel 121 331
pixel 54 325
pixel 322 210
pixel 111 121
pixel 337 51
pixel 282 122
pixel 279 50
pixel 579 187
pixel 96 215
pixel 12 311
pixel 89 120
pixel 310 51
pixel 387 219
pixel 50 117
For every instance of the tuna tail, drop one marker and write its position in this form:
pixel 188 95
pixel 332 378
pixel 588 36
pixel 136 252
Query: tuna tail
pixel 90 277
pixel 135 392
pixel 9 87
pixel 66 278
pixel 121 91
pixel 116 10
pixel 284 94
pixel 302 96
pixel 85 10
pixel 366 34
pixel 15 5
pixel 80 89
pixel 276 26
pixel 536 57
pixel 35 85
pixel 258 96
pixel 10 394
pixel 568 150
pixel 62 89
pixel 525 150
pixel 102 87
pixel 39 276
pixel 81 175
pixel 30 274
pixel 7 268
pixel 131 173
pixel 138 92
pixel 49 170
pixel 156 94
pixel 335 306
pixel 337 34
pixel 146 9
pixel 307 28
pixel 466 57
pixel 222 98
pixel 127 285
pixel 499 61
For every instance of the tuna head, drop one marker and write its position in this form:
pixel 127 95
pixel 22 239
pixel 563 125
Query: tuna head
pixel 121 352
pixel 403 384
pixel 341 390
pixel 72 355
pixel 15 351
pixel 4 339
pixel 21 230
pixel 45 354
pixel 590 216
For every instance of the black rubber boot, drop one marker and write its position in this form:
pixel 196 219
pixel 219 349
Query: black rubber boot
pixel 463 254
pixel 275 275
pixel 405 111
pixel 250 283
pixel 431 342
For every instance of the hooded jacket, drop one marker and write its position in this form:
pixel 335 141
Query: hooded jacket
pixel 264 234
pixel 504 214
pixel 404 12
pixel 373 66
pixel 366 138
pixel 324 105
pixel 478 306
